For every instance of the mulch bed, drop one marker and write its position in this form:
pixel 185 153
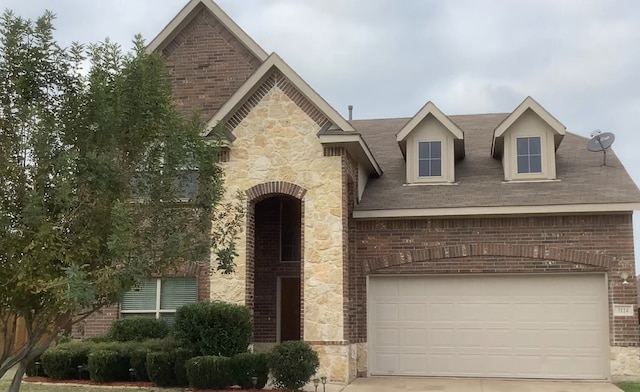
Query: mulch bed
pixel 138 384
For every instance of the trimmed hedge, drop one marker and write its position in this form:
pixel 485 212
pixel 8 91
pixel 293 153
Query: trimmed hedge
pixel 138 329
pixel 210 372
pixel 160 368
pixel 248 365
pixel 108 365
pixel 61 362
pixel 292 364
pixel 180 358
pixel 214 328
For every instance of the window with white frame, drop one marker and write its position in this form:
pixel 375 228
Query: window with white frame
pixel 158 298
pixel 529 154
pixel 430 159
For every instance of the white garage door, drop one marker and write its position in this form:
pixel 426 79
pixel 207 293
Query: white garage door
pixel 531 326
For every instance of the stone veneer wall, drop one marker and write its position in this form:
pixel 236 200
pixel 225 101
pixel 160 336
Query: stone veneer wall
pixel 277 141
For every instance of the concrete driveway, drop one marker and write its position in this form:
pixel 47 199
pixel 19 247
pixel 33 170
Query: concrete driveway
pixel 390 384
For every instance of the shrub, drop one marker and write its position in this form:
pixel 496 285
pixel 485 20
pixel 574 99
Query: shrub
pixel 209 372
pixel 160 368
pixel 214 328
pixel 108 365
pixel 292 364
pixel 138 362
pixel 35 371
pixel 61 362
pixel 137 328
pixel 247 365
pixel 181 356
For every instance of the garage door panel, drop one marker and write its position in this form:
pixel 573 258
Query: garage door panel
pixel 544 326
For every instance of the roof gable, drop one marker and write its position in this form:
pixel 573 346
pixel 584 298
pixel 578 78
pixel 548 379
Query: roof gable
pixel 334 129
pixel 188 12
pixel 431 109
pixel 528 104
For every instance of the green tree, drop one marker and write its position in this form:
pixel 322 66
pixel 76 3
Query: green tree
pixel 96 181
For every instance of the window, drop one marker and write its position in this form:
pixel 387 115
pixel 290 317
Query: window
pixel 529 155
pixel 290 229
pixel 429 159
pixel 158 298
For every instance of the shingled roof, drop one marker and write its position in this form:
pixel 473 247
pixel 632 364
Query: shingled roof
pixel 480 177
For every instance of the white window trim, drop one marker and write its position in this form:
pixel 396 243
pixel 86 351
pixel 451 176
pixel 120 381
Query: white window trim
pixel 542 156
pixel 416 162
pixel 157 311
pixel 510 158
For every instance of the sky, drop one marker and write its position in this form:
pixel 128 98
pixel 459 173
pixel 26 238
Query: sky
pixel 578 58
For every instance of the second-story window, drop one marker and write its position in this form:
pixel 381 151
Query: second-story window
pixel 430 159
pixel 529 155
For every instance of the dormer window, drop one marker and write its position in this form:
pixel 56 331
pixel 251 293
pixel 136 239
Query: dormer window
pixel 526 142
pixel 431 145
pixel 529 155
pixel 430 159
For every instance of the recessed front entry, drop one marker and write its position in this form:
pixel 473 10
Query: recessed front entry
pixel 277 265
pixel 516 326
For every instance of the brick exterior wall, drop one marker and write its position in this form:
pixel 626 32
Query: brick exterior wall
pixel 208 65
pixel 546 244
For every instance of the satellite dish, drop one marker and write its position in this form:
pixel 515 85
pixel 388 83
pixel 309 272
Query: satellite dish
pixel 601 141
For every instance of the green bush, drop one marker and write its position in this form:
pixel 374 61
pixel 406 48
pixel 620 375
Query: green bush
pixel 108 365
pixel 292 364
pixel 180 357
pixel 160 368
pixel 214 328
pixel 137 328
pixel 138 362
pixel 209 372
pixel 247 365
pixel 61 362
pixel 35 371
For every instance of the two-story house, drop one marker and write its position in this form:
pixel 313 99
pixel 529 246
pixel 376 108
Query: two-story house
pixel 483 245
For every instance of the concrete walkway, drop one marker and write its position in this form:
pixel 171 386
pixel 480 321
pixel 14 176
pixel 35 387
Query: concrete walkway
pixel 398 384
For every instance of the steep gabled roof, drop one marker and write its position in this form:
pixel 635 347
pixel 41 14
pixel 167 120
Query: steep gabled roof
pixel 528 104
pixel 334 129
pixel 431 109
pixel 189 12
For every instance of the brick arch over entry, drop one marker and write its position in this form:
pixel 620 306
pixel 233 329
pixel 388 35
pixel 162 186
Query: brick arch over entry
pixel 264 190
pixel 539 252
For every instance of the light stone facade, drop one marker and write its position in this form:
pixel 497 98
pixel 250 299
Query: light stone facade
pixel 625 363
pixel 278 124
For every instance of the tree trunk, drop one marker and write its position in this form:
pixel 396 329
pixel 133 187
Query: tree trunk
pixel 17 378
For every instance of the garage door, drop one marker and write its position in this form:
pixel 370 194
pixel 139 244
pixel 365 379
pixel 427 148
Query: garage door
pixel 531 326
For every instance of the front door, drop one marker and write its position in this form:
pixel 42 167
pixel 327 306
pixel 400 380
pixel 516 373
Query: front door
pixel 289 309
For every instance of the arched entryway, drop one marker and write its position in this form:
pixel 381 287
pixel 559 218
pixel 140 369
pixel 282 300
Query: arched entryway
pixel 275 258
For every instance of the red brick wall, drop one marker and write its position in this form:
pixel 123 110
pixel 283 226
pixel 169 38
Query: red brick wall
pixel 208 65
pixel 497 245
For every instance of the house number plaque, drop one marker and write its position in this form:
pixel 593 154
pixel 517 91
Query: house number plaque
pixel 622 310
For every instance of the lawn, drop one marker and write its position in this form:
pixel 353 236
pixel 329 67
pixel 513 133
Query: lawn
pixel 26 387
pixel 629 386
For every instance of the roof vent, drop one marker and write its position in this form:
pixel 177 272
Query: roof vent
pixel 350 112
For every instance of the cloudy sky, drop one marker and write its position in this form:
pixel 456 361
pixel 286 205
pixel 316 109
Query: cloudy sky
pixel 578 58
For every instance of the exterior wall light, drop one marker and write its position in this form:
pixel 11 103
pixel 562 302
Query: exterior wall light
pixel 624 276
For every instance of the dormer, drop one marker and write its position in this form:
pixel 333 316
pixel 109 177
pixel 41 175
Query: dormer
pixel 526 142
pixel 431 144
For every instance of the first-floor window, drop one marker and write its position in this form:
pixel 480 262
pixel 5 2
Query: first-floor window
pixel 429 159
pixel 158 298
pixel 529 155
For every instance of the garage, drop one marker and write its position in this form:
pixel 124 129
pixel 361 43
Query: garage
pixel 552 326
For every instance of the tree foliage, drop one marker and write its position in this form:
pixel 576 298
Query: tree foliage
pixel 96 172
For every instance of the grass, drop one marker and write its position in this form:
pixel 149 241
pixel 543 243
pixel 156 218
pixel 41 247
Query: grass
pixel 27 387
pixel 629 386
